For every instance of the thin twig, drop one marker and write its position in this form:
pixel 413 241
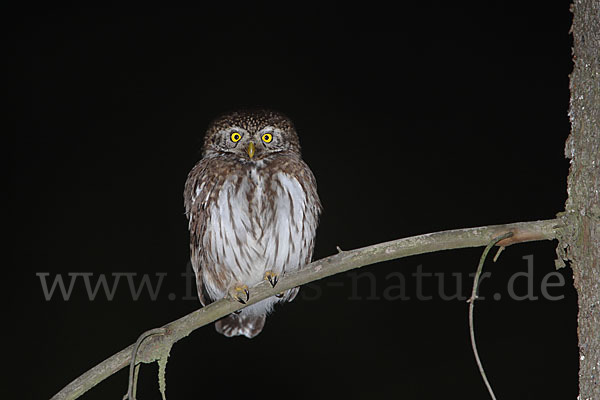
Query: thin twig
pixel 345 261
pixel 135 379
pixel 471 302
pixel 133 371
pixel 500 250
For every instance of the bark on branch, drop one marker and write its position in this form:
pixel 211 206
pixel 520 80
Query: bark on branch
pixel 153 347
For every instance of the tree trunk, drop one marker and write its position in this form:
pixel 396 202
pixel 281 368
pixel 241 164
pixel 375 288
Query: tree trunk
pixel 582 217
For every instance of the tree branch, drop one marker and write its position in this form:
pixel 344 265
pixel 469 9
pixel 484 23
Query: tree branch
pixel 152 348
pixel 471 302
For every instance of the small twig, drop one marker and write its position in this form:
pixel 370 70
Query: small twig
pixel 133 369
pixel 135 379
pixel 471 302
pixel 162 372
pixel 500 250
pixel 339 250
pixel 132 385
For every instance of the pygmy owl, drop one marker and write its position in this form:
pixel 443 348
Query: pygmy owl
pixel 253 209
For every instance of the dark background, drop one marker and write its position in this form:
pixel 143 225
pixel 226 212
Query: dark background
pixel 428 117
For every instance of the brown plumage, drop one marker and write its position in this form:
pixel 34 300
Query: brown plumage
pixel 253 209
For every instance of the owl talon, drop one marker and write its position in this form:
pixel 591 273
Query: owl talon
pixel 272 277
pixel 279 295
pixel 238 290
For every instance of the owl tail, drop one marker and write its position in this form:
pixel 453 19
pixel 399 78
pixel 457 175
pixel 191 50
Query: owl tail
pixel 240 324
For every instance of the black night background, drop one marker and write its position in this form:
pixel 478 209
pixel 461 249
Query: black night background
pixel 426 117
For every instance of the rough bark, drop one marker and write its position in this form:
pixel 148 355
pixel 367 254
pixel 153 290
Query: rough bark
pixel 581 241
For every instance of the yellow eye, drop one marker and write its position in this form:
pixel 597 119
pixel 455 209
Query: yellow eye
pixel 235 137
pixel 267 137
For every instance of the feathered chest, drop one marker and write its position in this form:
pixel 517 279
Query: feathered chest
pixel 255 221
pixel 247 204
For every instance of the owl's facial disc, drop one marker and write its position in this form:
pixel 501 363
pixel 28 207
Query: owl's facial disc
pixel 251 136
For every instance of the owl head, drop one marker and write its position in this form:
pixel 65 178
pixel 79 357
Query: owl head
pixel 251 135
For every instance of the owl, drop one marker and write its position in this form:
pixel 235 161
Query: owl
pixel 252 208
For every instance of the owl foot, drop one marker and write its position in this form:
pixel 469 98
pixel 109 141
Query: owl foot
pixel 240 293
pixel 272 277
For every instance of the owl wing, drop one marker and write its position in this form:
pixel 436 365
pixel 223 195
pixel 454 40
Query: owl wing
pixel 302 173
pixel 198 190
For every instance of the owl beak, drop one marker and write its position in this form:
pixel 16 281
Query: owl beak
pixel 251 149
